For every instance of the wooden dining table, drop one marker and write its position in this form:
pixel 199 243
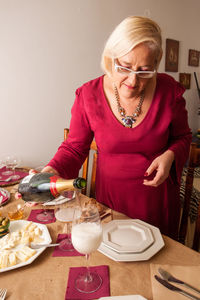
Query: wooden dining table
pixel 46 277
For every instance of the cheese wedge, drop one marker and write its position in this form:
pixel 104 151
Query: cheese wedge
pixel 12 259
pixel 21 256
pixel 28 251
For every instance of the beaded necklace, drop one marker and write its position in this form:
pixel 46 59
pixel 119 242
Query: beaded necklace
pixel 128 121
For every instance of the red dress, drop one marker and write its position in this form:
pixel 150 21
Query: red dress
pixel 124 154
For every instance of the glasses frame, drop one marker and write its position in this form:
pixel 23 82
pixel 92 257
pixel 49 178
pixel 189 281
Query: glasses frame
pixel 137 73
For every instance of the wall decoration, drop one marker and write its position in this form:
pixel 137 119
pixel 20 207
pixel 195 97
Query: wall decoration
pixel 172 54
pixel 184 79
pixel 197 84
pixel 193 59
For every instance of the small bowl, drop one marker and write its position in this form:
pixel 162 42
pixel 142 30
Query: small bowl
pixel 4 226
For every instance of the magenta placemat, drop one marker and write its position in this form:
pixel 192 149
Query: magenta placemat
pixel 19 172
pixel 59 252
pixel 35 212
pixel 103 291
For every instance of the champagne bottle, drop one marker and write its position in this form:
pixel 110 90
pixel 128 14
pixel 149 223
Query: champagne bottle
pixel 43 187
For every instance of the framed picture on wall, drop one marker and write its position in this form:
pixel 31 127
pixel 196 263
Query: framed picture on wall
pixel 184 79
pixel 172 54
pixel 193 58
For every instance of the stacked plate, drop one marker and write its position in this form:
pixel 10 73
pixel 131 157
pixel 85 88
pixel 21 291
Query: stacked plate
pixel 130 240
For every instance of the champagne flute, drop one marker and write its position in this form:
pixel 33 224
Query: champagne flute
pixel 65 213
pixel 15 161
pixel 86 238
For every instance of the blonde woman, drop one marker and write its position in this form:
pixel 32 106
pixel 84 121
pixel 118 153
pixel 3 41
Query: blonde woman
pixel 139 121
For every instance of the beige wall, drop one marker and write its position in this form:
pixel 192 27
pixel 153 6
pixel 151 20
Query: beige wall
pixel 50 47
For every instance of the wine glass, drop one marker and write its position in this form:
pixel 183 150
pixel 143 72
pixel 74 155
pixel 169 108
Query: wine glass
pixel 65 213
pixel 6 163
pixel 86 238
pixel 46 215
pixel 2 164
pixel 11 163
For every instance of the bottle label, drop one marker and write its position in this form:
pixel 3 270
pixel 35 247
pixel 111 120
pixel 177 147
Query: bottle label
pixel 53 188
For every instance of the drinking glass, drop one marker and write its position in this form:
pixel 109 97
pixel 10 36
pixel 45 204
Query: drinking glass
pixel 11 162
pixel 17 213
pixel 65 213
pixel 45 216
pixel 86 238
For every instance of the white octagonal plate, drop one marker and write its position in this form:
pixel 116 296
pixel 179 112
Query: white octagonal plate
pixel 17 225
pixel 126 236
pixel 145 255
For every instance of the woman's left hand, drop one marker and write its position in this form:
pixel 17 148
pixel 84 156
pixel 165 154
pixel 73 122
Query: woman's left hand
pixel 19 196
pixel 162 165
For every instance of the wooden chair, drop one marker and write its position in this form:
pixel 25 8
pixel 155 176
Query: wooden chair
pixel 196 241
pixel 194 161
pixel 85 168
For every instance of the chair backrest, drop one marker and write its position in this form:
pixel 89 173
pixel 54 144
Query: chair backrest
pixel 86 164
pixel 193 162
pixel 196 240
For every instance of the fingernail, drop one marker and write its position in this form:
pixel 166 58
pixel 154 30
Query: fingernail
pixel 32 171
pixel 145 174
pixel 18 196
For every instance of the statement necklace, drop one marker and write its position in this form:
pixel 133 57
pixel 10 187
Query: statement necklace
pixel 128 121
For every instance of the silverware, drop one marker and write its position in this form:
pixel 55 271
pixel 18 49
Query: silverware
pixel 175 289
pixel 38 246
pixel 6 180
pixel 167 276
pixel 3 293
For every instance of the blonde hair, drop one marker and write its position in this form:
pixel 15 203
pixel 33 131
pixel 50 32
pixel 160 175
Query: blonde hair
pixel 131 32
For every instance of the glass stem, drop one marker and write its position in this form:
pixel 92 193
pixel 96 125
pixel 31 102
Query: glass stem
pixel 88 277
pixel 68 230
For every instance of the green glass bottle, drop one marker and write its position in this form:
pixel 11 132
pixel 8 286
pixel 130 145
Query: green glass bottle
pixel 43 187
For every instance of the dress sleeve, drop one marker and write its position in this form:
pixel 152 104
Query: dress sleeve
pixel 72 153
pixel 180 134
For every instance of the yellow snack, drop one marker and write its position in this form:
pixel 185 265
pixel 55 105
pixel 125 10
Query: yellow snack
pixel 27 226
pixel 32 227
pixel 21 256
pixel 28 251
pixel 12 259
pixel 4 259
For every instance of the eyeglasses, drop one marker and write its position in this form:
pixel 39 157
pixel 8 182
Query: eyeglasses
pixel 128 72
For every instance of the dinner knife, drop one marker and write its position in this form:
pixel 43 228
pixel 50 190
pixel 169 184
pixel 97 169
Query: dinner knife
pixel 175 289
pixel 167 276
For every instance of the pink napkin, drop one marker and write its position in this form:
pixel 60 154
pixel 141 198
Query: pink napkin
pixel 34 212
pixel 20 173
pixel 103 291
pixel 59 252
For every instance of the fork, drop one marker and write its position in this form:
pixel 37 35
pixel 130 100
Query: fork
pixel 2 294
pixel 38 246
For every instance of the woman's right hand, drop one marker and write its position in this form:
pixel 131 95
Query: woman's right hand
pixel 49 169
